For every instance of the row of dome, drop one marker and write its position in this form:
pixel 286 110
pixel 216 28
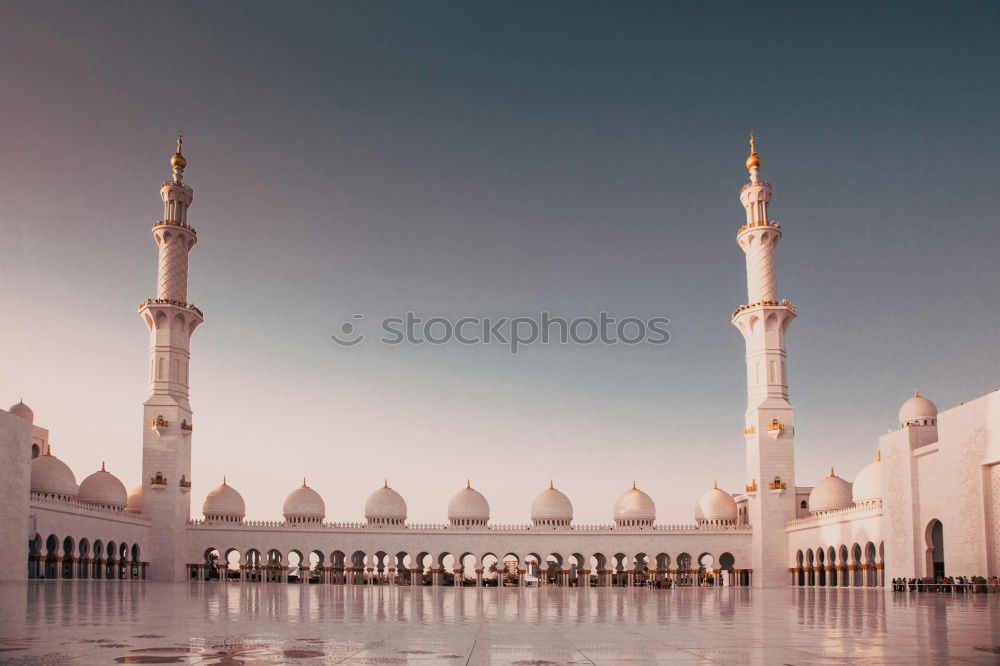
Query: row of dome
pixel 51 477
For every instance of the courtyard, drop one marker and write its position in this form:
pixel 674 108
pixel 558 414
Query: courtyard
pixel 103 622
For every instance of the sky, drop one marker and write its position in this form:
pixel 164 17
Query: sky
pixel 495 159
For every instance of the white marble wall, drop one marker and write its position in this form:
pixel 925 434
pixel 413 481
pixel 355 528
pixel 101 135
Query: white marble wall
pixel 15 478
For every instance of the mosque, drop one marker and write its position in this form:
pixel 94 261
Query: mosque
pixel 928 504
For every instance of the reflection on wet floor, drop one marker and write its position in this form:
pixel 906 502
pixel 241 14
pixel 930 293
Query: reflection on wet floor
pixel 97 622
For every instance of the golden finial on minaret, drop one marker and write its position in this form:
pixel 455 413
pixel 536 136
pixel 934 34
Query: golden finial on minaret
pixel 223 479
pixel 468 483
pixel 551 485
pixel 304 482
pixel 831 473
pixel 103 468
pixel 754 160
pixel 633 484
pixel 385 483
pixel 715 485
pixel 178 161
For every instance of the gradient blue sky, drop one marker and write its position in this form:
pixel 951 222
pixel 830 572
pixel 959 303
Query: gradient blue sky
pixel 500 159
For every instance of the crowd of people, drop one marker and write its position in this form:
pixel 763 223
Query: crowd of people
pixel 947 584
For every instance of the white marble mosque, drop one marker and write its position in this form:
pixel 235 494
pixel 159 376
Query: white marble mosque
pixel 929 502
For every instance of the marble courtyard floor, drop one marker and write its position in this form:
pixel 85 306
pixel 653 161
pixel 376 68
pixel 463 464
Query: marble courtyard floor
pixel 101 622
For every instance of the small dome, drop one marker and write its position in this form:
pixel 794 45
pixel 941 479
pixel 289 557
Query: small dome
pixel 386 505
pixel 104 489
pixel 468 505
pixel 134 502
pixel 22 410
pixel 225 501
pixel 868 482
pixel 830 494
pixel 916 410
pixel 303 503
pixel 551 506
pixel 715 506
pixel 635 506
pixel 52 476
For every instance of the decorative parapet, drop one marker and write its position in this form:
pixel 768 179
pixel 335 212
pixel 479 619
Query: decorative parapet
pixel 776 485
pixel 753 225
pixel 761 183
pixel 774 304
pixel 752 488
pixel 775 425
pixel 80 507
pixel 170 301
pixel 866 510
pixel 172 223
pixel 158 479
pixel 186 427
pixel 499 528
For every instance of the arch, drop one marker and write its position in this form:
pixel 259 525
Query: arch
pixel 111 560
pixel 684 569
pixel 934 553
pixel 68 555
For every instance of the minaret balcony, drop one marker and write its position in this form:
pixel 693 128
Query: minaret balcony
pixel 174 223
pixel 186 428
pixel 770 224
pixel 783 304
pixel 749 431
pixel 169 301
pixel 775 429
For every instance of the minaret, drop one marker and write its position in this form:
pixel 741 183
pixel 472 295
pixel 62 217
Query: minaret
pixel 167 425
pixel 768 426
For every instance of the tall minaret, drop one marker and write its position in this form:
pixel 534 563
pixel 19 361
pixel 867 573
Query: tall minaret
pixel 167 426
pixel 768 425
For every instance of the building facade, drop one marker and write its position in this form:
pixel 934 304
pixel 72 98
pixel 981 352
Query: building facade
pixel 928 504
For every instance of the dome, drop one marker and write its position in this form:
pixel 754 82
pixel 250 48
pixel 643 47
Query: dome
pixel 715 506
pixel 225 502
pixel 104 489
pixel 51 476
pixel 868 482
pixel 551 506
pixel 22 410
pixel 133 504
pixel 634 506
pixel 916 410
pixel 468 506
pixel 302 505
pixel 387 506
pixel 830 494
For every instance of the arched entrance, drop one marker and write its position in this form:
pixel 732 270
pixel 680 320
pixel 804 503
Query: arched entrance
pixel 935 548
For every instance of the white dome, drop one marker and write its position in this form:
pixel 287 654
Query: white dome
pixel 103 488
pixel 551 506
pixel 917 409
pixel 134 502
pixel 385 504
pixel 830 494
pixel 22 410
pixel 715 506
pixel 225 501
pixel 468 504
pixel 635 506
pixel 868 482
pixel 52 476
pixel 303 503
